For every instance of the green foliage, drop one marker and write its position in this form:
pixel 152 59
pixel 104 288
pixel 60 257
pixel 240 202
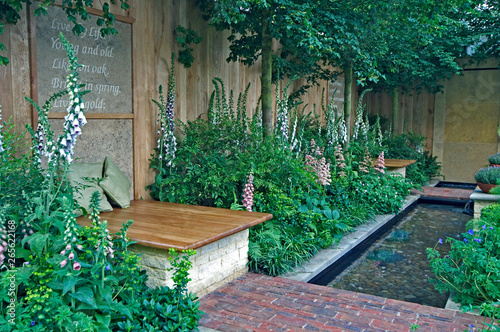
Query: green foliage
pixel 411 146
pixel 483 29
pixel 56 275
pixel 215 156
pixel 384 193
pixel 488 175
pixel 186 37
pixel 471 270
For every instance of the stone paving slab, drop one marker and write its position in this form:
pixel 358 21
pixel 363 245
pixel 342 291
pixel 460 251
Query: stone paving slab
pixel 258 303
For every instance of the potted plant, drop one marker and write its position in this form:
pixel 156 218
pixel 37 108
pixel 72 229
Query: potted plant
pixel 487 178
pixel 494 160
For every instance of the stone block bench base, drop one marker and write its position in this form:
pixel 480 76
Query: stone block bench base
pixel 219 236
pixel 213 264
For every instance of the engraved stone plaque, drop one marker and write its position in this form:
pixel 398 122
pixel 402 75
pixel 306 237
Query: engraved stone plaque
pixel 106 70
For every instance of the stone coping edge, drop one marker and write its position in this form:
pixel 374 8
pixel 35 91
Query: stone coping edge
pixel 479 195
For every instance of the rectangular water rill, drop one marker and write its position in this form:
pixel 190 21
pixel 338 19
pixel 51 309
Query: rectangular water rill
pixel 396 266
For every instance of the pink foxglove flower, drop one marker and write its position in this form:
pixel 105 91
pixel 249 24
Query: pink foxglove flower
pixel 340 160
pixel 63 263
pixel 317 163
pixel 366 163
pixel 248 192
pixel 76 266
pixel 379 164
pixel 71 256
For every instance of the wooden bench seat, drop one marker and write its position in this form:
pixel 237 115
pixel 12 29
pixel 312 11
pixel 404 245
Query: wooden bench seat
pixel 169 225
pixel 396 163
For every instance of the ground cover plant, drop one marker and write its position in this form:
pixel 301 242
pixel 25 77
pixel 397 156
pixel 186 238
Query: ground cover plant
pixel 56 275
pixel 316 186
pixel 471 269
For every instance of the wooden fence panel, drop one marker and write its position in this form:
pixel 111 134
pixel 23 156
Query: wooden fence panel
pixel 153 41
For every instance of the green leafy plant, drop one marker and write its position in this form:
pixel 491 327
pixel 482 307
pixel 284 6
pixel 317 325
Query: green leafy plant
pixel 488 175
pixel 185 37
pixel 471 270
pixel 384 193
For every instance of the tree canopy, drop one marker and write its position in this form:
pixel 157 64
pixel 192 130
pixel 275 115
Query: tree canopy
pixel 390 43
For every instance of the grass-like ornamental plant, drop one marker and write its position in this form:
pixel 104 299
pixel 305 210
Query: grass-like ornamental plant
pixel 494 158
pixel 488 175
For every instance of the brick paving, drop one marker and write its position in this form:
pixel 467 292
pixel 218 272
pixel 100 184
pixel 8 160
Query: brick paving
pixel 446 193
pixel 256 302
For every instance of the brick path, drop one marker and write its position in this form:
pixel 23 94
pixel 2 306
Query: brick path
pixel 447 193
pixel 255 302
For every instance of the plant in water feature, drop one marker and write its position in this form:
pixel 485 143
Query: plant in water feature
pixel 56 275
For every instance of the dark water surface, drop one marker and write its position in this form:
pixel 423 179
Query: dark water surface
pixel 396 265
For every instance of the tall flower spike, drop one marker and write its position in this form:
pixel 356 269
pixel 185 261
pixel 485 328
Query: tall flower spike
pixel 282 118
pixel 100 227
pixel 70 233
pixel 248 192
pixel 75 119
pixel 340 160
pixel 366 163
pixel 379 164
pixel 318 165
pixel 167 143
pixel 3 238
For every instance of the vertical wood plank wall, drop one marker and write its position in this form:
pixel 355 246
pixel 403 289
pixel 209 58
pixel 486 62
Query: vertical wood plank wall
pixel 153 41
pixel 416 112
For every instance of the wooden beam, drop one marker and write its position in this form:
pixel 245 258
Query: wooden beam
pixel 61 115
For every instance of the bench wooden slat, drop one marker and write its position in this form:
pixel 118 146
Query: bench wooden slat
pixel 179 226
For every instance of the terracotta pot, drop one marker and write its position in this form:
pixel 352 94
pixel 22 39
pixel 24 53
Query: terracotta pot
pixel 494 165
pixel 485 187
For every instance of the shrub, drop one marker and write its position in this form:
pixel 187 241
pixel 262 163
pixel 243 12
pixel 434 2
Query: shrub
pixel 382 193
pixel 411 146
pixel 488 175
pixel 471 270
pixel 494 158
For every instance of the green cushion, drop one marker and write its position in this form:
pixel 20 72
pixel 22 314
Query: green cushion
pixel 78 171
pixel 115 184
